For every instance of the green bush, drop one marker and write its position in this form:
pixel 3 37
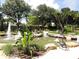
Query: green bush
pixel 19 46
pixel 77 33
pixel 68 29
pixel 32 49
pixel 8 49
pixel 40 47
pixel 37 47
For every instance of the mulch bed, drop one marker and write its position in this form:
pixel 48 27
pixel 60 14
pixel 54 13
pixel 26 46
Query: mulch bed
pixel 20 53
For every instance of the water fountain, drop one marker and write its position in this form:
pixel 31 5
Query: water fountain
pixel 9 32
pixel 18 35
pixel 9 36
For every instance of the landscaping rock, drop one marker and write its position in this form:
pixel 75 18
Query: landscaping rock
pixel 72 44
pixel 68 38
pixel 50 46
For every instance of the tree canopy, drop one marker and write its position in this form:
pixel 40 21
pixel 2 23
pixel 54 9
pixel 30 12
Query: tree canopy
pixel 43 15
pixel 16 9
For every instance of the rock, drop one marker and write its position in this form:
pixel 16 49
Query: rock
pixel 57 40
pixel 72 44
pixel 45 33
pixel 50 46
pixel 68 38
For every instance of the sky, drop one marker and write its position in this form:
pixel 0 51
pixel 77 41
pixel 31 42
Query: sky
pixel 57 4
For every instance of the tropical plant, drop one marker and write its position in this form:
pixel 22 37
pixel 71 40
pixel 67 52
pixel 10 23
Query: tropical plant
pixel 32 20
pixel 26 43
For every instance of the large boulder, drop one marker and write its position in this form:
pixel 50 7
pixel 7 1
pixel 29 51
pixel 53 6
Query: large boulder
pixel 50 46
pixel 68 37
pixel 72 44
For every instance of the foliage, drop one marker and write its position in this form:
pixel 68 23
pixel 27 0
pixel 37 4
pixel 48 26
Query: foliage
pixel 44 14
pixel 16 9
pixel 32 20
pixel 43 41
pixel 24 40
pixel 19 46
pixel 35 47
pixel 40 47
pixel 1 21
pixel 27 37
pixel 68 29
pixel 8 49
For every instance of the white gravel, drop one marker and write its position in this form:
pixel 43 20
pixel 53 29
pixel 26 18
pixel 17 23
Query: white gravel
pixel 72 53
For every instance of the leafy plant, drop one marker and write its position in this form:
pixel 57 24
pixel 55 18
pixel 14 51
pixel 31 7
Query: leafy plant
pixel 24 40
pixel 68 29
pixel 27 37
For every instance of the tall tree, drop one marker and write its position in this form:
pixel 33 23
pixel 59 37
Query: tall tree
pixel 44 14
pixel 59 21
pixel 61 18
pixel 75 16
pixel 65 13
pixel 16 9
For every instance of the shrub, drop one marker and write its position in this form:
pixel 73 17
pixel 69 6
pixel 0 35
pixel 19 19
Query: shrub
pixel 19 46
pixel 68 29
pixel 8 49
pixel 76 33
pixel 37 47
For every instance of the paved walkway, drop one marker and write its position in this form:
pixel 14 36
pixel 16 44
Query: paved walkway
pixel 61 54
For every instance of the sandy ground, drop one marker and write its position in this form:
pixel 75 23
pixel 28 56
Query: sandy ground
pixel 72 53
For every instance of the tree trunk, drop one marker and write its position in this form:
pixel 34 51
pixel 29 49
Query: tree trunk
pixel 2 27
pixel 60 24
pixel 62 28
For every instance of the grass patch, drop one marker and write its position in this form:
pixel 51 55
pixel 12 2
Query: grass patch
pixel 41 42
pixel 7 41
pixel 54 32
